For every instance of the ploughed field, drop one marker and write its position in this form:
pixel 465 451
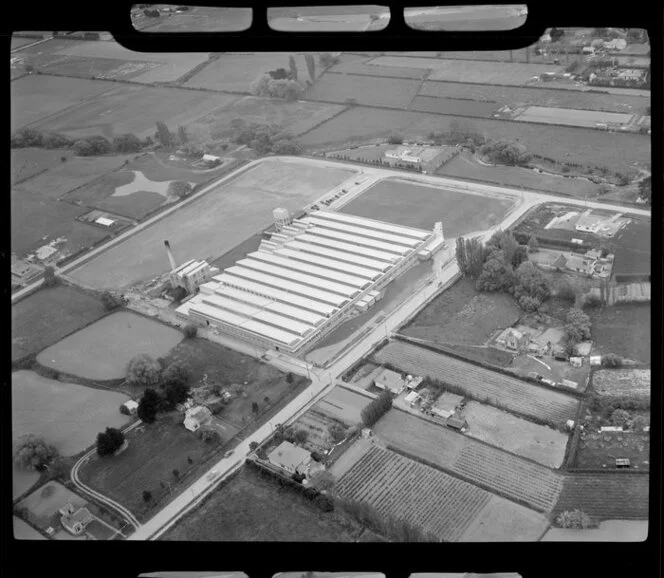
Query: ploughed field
pixel 491 387
pixel 494 469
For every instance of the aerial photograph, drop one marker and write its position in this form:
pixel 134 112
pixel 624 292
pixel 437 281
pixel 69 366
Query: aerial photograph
pixel 331 296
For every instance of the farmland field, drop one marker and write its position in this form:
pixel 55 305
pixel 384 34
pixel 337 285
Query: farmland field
pixel 500 390
pixel 368 90
pixel 103 350
pixel 513 434
pixel 252 508
pixel 600 449
pixel 130 108
pixel 571 117
pixel 45 317
pixel 628 382
pixel 606 496
pixel 477 463
pixel 236 72
pixel 27 163
pixel 214 223
pixel 23 531
pixel 463 315
pixel 410 491
pixel 36 221
pixel 608 531
pixel 198 19
pixel 101 68
pixel 633 255
pixel 18 41
pixel 362 123
pixel 503 521
pixel 413 205
pixel 453 106
pixel 467 18
pixel 67 415
pixel 515 96
pixel 326 23
pixel 344 405
pixel 358 67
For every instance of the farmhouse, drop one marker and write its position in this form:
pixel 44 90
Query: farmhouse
pixel 447 404
pixel 412 398
pixel 75 520
pixel 512 339
pixel 196 417
pixel 290 457
pixel 302 281
pixel 390 381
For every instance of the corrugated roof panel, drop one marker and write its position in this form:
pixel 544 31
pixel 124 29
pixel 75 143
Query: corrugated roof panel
pixel 363 231
pixel 236 307
pixel 373 224
pixel 333 264
pixel 362 242
pixel 280 321
pixel 348 247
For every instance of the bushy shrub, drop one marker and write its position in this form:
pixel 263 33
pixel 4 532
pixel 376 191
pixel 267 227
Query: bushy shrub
pixel 190 330
pixel 376 409
pixel 111 301
pixel 54 140
pixel 566 291
pixel 612 360
pixel 395 139
pixel 27 137
pixel 143 370
pixel 208 435
pixel 592 301
pixel 620 417
pixel 127 143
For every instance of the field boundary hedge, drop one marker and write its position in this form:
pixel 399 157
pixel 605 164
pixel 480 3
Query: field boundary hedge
pixel 573 443
pixel 335 115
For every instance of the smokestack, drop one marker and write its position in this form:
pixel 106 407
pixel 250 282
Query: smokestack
pixel 171 259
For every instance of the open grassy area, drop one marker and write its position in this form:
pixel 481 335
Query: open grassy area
pixel 453 106
pixel 361 123
pixel 198 19
pixel 633 254
pixel 23 531
pixel 463 315
pixel 27 163
pixel 150 459
pixel 50 314
pixel 366 90
pixel 214 223
pixel 67 415
pixel 360 67
pixel 404 203
pixel 608 531
pixel 623 330
pixel 226 367
pixel 252 508
pixel 103 349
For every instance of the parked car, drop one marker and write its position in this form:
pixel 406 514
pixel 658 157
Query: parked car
pixel 212 475
pixel 228 454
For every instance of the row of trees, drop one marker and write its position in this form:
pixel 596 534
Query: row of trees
pixel 89 146
pixel 264 138
pixel 376 409
pixel 507 153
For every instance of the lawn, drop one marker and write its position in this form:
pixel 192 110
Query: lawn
pixel 633 254
pixel 235 72
pixel 213 224
pixel 252 508
pixel 623 330
pixel 572 117
pixel 516 435
pixel 608 531
pixel 405 203
pixel 34 98
pixel 590 147
pixel 103 350
pixel 226 367
pixel 43 504
pixel 67 415
pixel 48 315
pixel 465 166
pixel 150 459
pixel 516 96
pixel 23 531
pixel 463 315
pixel 344 404
pixel 453 106
pixel 366 90
pixel 26 163
pixel 130 108
pixel 600 450
pixel 199 19
pixel 606 496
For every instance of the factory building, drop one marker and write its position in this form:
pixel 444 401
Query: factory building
pixel 306 278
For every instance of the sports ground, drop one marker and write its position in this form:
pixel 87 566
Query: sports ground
pixel 212 224
pixel 585 118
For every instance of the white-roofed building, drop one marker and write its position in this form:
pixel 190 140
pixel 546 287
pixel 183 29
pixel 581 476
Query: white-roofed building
pixel 191 275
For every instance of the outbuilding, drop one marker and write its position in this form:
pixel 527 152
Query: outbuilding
pixel 132 406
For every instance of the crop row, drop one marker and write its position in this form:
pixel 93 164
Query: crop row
pixel 501 390
pixel 606 496
pixel 400 487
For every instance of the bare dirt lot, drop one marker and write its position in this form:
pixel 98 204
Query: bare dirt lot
pixel 214 223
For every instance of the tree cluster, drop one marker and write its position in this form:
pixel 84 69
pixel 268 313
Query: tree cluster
pixel 326 60
pixel 577 326
pixel 279 83
pixel 31 452
pixel 264 138
pixel 506 153
pixel 470 254
pixel 109 442
pixel 111 301
pixel 645 189
pixel 376 409
pixel 180 189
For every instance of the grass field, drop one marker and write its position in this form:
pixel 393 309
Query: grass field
pixel 513 434
pixel 367 90
pixel 606 496
pixel 42 508
pixel 23 531
pixel 34 98
pixel 22 480
pixel 149 459
pixel 467 18
pixel 103 350
pixel 101 68
pixel 631 382
pixel 461 107
pixel 323 23
pixel 465 166
pixel 404 203
pixel 515 96
pixel 213 224
pixel 252 508
pixel 235 72
pixel 226 367
pixel 27 163
pixel 477 463
pixel 36 221
pixel 608 531
pixel 585 146
pixel 494 388
pixel 572 117
pixel 18 41
pixel 198 19
pixel 503 521
pixel 360 67
pixel 66 415
pixel 633 254
pixel 600 450
pixel 48 315
pixel 344 405
pixel 463 315
pixel 128 108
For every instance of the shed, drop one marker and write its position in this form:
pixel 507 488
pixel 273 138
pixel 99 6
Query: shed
pixel 576 361
pixel 412 397
pixel 389 380
pixel 595 360
pixel 132 406
pixel 457 423
pixel 104 221
pixel 45 252
pixel 196 417
pixel 569 383
pixel 289 457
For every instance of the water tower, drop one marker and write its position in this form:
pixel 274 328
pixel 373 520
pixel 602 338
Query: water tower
pixel 282 218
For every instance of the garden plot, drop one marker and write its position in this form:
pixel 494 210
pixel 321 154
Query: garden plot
pixel 623 382
pixel 497 389
pixel 317 425
pixel 372 91
pixel 103 350
pixel 407 490
pixel 66 415
pixel 344 405
pixel 213 223
pixel 601 449
pixel 513 434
